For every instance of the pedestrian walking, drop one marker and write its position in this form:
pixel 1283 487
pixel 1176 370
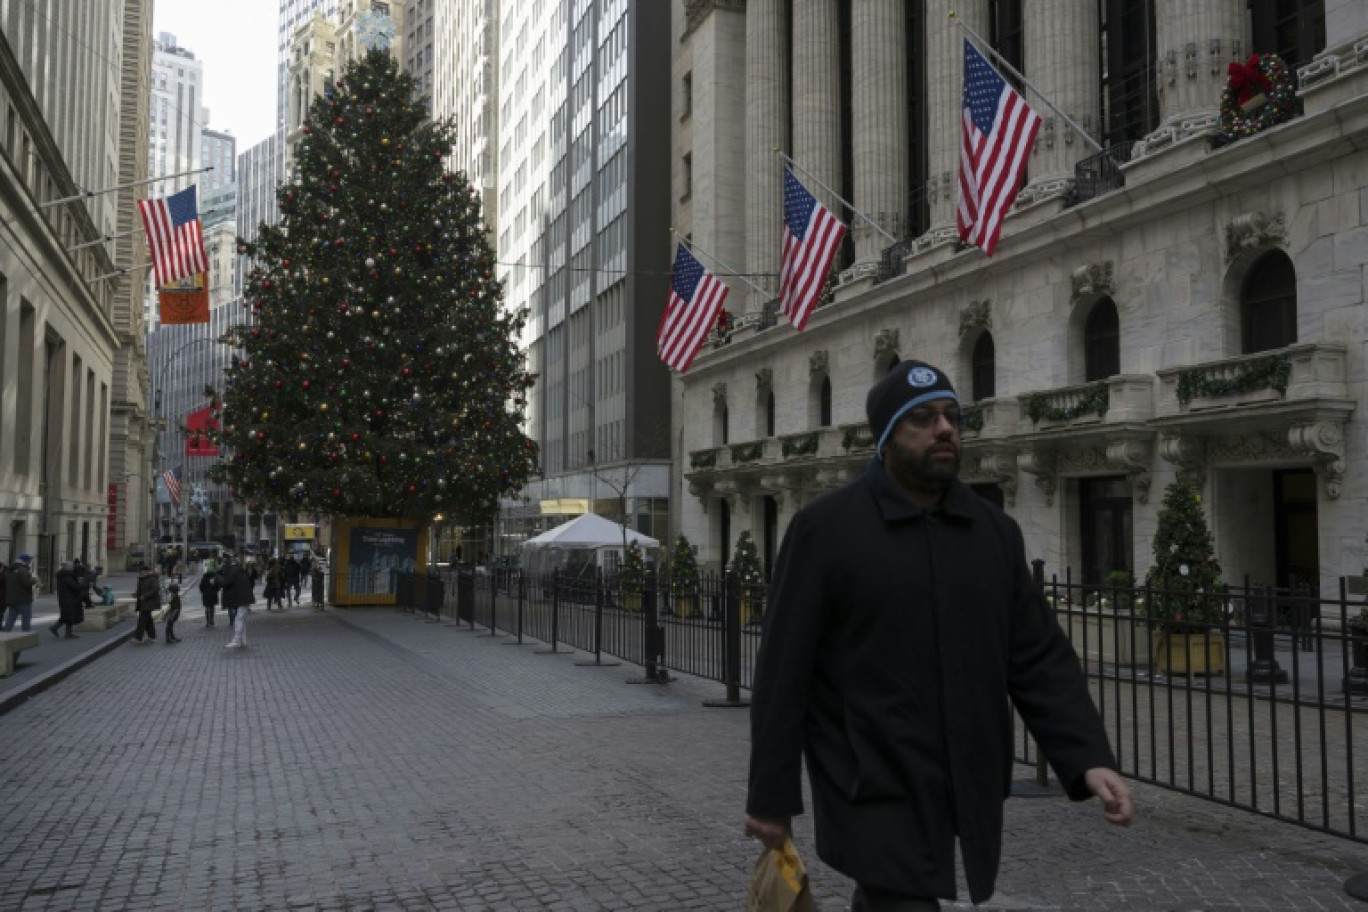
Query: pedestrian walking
pixel 274 593
pixel 236 587
pixel 148 600
pixel 293 575
pixel 208 587
pixel 316 578
pixel 19 585
pixel 901 620
pixel 70 595
pixel 173 612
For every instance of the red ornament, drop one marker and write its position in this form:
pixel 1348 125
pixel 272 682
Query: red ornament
pixel 337 492
pixel 306 384
pixel 346 362
pixel 355 437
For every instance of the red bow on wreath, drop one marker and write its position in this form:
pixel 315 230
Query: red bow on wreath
pixel 1246 78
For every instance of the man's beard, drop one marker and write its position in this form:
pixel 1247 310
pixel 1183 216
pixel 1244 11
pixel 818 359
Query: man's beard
pixel 921 472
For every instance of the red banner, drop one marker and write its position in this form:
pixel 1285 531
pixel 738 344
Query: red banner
pixel 112 520
pixel 197 426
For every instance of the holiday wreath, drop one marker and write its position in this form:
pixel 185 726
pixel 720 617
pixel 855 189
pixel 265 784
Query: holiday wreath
pixel 1259 94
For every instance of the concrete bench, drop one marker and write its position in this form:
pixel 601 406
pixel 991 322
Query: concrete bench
pixel 11 644
pixel 101 617
pixel 125 607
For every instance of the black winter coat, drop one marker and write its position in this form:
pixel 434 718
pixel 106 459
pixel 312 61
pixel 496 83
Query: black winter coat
pixel 236 587
pixel 148 593
pixel 893 641
pixel 70 590
pixel 208 588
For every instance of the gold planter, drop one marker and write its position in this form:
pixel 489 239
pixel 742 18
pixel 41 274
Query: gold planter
pixel 1190 653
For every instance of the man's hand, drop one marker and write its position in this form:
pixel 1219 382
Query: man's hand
pixel 1117 806
pixel 773 833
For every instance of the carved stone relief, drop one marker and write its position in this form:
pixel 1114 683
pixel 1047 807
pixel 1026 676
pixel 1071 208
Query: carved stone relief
pixel 978 315
pixel 817 363
pixel 886 342
pixel 1253 230
pixel 764 378
pixel 1094 278
pixel 719 392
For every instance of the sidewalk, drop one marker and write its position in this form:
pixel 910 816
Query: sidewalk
pixel 367 759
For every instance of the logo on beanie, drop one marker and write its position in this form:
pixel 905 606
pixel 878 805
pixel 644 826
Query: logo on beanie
pixel 921 377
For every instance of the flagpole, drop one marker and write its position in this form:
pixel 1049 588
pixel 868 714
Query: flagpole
pixel 694 247
pixel 1024 81
pixel 103 239
pixel 843 201
pixel 122 271
pixel 151 180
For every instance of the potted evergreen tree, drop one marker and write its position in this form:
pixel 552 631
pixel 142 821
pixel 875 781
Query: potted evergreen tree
pixel 684 578
pixel 633 577
pixel 745 566
pixel 1186 598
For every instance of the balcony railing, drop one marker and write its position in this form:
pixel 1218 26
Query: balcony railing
pixel 1121 399
pixel 1101 173
pixel 1296 373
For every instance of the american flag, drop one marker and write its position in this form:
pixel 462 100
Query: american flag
pixel 999 128
pixel 696 296
pixel 812 235
pixel 172 479
pixel 175 236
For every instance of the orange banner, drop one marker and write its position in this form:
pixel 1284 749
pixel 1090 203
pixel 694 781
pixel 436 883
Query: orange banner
pixel 185 301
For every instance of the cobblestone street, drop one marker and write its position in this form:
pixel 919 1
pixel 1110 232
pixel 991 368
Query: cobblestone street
pixel 370 760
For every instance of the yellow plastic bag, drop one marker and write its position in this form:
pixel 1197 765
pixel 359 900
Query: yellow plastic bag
pixel 780 883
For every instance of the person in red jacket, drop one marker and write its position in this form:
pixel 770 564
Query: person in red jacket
pixel 901 621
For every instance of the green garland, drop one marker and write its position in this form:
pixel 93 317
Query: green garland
pixel 973 418
pixel 1280 106
pixel 1266 373
pixel 703 459
pixel 800 445
pixel 747 452
pixel 1095 401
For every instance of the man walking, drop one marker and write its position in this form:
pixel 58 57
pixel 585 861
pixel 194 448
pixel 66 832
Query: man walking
pixel 19 594
pixel 236 587
pixel 71 593
pixel 901 620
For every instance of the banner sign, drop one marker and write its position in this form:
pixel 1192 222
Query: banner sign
pixel 112 518
pixel 185 301
pixel 197 426
pixel 299 531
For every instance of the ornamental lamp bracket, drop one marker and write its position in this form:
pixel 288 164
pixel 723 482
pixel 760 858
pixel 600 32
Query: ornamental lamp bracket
pixel 1092 279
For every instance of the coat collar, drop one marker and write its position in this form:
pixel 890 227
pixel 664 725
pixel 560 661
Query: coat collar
pixel 894 505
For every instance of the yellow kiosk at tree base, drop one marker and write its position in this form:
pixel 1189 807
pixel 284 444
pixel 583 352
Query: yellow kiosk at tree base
pixel 299 536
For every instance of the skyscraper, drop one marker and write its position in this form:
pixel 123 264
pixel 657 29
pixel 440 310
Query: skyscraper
pixel 584 245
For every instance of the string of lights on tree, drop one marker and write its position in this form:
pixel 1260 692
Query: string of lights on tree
pixel 379 375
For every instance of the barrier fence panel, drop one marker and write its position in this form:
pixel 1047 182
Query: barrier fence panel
pixel 1261 706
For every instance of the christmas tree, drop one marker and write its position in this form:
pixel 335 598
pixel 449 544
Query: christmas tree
pixel 683 568
pixel 378 375
pixel 633 569
pixel 745 566
pixel 1185 578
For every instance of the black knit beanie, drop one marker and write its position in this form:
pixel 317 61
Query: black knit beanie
pixel 902 389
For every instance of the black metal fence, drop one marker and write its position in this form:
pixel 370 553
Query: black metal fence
pixel 1263 708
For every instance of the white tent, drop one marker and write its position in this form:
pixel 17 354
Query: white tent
pixel 588 539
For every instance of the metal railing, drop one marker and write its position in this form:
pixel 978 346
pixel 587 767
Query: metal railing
pixel 1100 174
pixel 1261 713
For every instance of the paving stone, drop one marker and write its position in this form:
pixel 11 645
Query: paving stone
pixel 368 760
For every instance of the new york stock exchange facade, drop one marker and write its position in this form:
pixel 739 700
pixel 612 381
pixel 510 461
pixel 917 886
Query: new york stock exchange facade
pixel 1182 304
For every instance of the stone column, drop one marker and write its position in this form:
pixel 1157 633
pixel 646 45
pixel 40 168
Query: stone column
pixel 766 129
pixel 1063 62
pixel 879 123
pixel 817 96
pixel 1196 43
pixel 944 87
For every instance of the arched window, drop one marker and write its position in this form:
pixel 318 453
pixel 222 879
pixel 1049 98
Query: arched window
pixel 720 431
pixel 824 403
pixel 984 368
pixel 1102 342
pixel 1268 303
pixel 769 413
